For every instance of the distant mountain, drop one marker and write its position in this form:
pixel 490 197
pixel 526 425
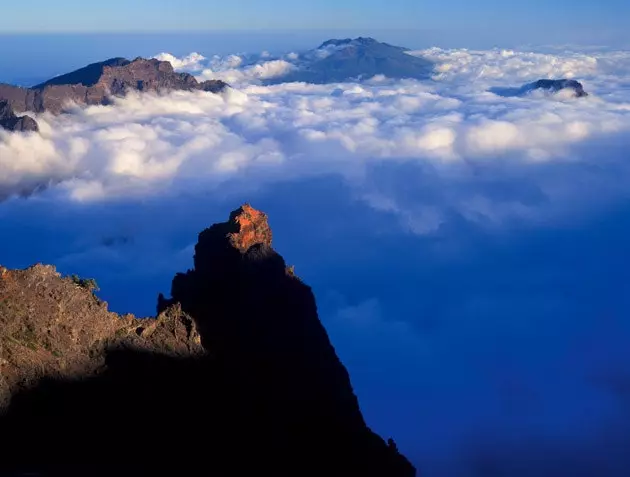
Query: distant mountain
pixel 575 88
pixel 95 84
pixel 236 376
pixel 360 58
pixel 555 86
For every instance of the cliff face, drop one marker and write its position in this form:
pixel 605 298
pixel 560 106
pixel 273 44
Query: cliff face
pixel 236 376
pixel 95 84
pixel 254 313
pixel 9 120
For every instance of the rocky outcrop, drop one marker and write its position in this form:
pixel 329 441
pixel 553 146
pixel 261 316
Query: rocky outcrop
pixel 10 121
pixel 574 87
pixel 95 84
pixel 236 376
pixel 554 86
pixel 54 326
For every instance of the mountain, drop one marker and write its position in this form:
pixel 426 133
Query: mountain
pixel 95 84
pixel 555 86
pixel 360 58
pixel 573 87
pixel 236 376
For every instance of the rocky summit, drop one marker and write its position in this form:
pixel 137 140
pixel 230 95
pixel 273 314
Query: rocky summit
pixel 235 376
pixel 95 84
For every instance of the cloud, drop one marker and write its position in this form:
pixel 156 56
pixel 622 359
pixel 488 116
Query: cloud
pixel 192 62
pixel 252 73
pixel 453 129
pixel 233 69
pixel 502 64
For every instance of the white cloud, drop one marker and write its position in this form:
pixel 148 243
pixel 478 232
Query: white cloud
pixel 192 62
pixel 230 73
pixel 145 145
pixel 508 65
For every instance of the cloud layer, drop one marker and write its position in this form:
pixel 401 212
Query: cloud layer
pixel 465 137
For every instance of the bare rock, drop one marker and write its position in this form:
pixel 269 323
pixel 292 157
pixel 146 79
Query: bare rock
pixel 10 121
pixel 55 326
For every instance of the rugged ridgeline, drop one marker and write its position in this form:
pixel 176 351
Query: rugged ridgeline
pixel 235 377
pixel 95 84
pixel 56 327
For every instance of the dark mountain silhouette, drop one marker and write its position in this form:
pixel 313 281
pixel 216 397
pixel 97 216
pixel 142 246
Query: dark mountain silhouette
pixel 97 83
pixel 266 395
pixel 550 86
pixel 359 58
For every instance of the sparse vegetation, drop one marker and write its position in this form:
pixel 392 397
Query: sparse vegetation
pixel 87 283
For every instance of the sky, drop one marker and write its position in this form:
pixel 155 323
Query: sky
pixel 532 21
pixel 467 250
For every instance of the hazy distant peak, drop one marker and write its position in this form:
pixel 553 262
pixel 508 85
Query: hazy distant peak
pixel 360 42
pixel 338 60
pixel 363 41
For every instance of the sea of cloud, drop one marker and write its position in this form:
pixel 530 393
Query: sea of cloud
pixel 468 250
pixel 453 127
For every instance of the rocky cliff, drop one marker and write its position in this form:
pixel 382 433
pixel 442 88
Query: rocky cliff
pixel 95 84
pixel 11 121
pixel 54 326
pixel 236 376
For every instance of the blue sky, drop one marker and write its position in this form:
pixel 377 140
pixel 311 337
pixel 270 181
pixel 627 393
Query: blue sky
pixel 159 15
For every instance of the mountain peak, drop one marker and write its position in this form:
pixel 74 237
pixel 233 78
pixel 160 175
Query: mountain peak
pixel 357 59
pixel 252 228
pixel 360 41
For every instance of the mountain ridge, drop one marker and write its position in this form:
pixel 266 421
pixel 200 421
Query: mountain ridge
pixel 96 83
